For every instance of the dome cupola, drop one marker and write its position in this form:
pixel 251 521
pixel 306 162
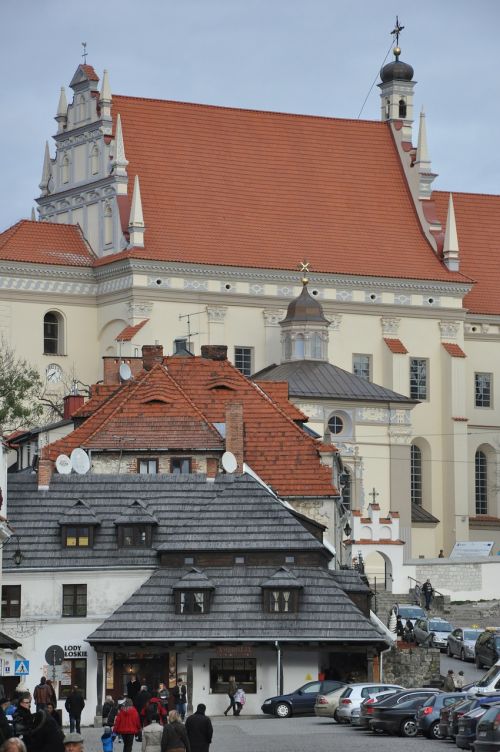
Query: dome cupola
pixel 304 334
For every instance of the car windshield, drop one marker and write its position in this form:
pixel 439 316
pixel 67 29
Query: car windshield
pixel 411 613
pixel 489 677
pixel 471 634
pixel 440 626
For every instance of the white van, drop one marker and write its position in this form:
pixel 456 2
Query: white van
pixel 489 684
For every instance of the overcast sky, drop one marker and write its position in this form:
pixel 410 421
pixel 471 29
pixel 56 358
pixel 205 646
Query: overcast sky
pixel 318 57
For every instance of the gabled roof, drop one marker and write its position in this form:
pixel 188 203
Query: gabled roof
pixel 318 379
pixel 478 228
pixel 195 578
pixel 283 578
pixel 419 514
pixel 45 243
pixel 136 513
pixel 261 189
pixel 79 514
pixel 128 334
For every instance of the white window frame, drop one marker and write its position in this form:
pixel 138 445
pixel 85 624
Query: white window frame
pixel 248 353
pixel 478 375
pixel 421 390
pixel 369 359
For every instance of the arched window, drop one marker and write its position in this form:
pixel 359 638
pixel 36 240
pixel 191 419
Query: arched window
pixel 288 347
pixel 108 225
pixel 94 160
pixel 402 108
pixel 481 482
pixel 387 109
pixel 299 346
pixel 345 487
pixel 53 334
pixel 416 474
pixel 65 169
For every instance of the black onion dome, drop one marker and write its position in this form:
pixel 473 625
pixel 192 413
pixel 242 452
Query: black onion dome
pixel 396 71
pixel 304 308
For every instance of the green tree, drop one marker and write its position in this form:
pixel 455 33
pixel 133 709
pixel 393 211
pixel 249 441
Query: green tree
pixel 20 389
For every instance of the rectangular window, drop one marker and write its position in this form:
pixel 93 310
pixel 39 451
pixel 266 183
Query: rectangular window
pixel 281 601
pixel 78 537
pixel 192 602
pixel 243 360
pixel 418 378
pixel 74 600
pixel 134 536
pixel 244 671
pixel 361 366
pixel 75 673
pixel 180 465
pixel 11 601
pixel 482 388
pixel 148 466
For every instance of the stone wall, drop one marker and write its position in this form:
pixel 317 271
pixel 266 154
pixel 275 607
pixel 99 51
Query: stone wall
pixel 411 666
pixel 452 577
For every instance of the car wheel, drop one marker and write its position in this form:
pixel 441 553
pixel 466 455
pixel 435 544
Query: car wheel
pixel 409 727
pixel 434 732
pixel 336 716
pixel 478 662
pixel 282 710
pixel 462 655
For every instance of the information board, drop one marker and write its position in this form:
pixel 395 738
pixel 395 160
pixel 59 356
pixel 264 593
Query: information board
pixel 471 549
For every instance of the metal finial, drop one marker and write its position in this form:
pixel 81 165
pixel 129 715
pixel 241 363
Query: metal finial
pixel 304 267
pixel 397 31
pixel 85 53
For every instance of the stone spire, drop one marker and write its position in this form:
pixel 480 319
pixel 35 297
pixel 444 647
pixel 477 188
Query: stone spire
pixel 119 159
pixel 136 221
pixel 105 101
pixel 33 214
pixel 46 172
pixel 423 161
pixel 451 250
pixel 61 117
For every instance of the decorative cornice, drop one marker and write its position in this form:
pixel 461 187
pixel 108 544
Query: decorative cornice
pixel 139 309
pixel 335 321
pixel 449 329
pixel 390 325
pixel 273 316
pixel 216 314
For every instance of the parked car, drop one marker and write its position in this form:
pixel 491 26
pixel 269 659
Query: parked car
pixel 366 709
pixel 461 642
pixel 457 712
pixel 488 731
pixel 467 725
pixel 396 715
pixel 489 684
pixel 354 694
pixel 300 701
pixel 428 715
pixel 326 705
pixel 487 649
pixel 445 720
pixel 408 612
pixel 432 633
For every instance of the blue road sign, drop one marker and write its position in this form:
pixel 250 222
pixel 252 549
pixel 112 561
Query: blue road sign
pixel 21 668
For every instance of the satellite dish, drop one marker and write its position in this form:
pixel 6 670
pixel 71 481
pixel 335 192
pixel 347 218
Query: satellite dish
pixel 229 462
pixel 63 464
pixel 80 461
pixel 125 372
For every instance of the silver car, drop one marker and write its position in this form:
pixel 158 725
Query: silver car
pixel 353 695
pixel 461 643
pixel 432 633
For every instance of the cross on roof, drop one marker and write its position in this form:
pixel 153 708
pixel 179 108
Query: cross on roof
pixel 85 53
pixel 374 495
pixel 397 31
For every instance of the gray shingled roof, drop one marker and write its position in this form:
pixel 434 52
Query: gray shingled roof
pixel 195 578
pixel 136 513
pixel 319 379
pixel 419 514
pixel 350 580
pixel 233 513
pixel 79 513
pixel 325 613
pixel 283 578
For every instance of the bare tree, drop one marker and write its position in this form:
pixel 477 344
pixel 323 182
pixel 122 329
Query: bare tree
pixel 20 389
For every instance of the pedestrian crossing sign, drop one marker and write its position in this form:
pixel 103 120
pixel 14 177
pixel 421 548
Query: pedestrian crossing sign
pixel 21 668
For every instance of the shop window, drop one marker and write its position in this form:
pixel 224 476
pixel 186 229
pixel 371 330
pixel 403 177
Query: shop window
pixel 11 601
pixel 148 466
pixel 77 536
pixel 74 600
pixel 192 601
pixel 180 465
pixel 244 671
pixel 75 674
pixel 134 536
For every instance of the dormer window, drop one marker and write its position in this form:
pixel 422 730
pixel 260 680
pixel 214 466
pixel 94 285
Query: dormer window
pixel 281 601
pixel 78 536
pixel 134 536
pixel 134 528
pixel 78 525
pixel 193 593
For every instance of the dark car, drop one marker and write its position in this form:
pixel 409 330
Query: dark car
pixel 409 612
pixel 366 708
pixel 444 719
pixel 428 715
pixel 458 711
pixel 396 715
pixel 488 732
pixel 487 649
pixel 467 725
pixel 300 701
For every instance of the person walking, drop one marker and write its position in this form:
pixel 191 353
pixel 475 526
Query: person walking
pixel 42 694
pixel 180 696
pixel 449 682
pixel 199 730
pixel 73 742
pixel 231 691
pixel 133 687
pixel 127 724
pixel 74 705
pixel 152 734
pixel 240 699
pixel 22 719
pixel 45 735
pixel 428 592
pixel 174 737
pixel 107 739
pixel 460 680
pixel 52 711
pixel 14 744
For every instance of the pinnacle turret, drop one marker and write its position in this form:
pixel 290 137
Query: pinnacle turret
pixel 120 162
pixel 105 100
pixel 46 172
pixel 451 250
pixel 136 221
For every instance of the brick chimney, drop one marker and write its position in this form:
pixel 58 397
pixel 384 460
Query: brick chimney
pixel 235 432
pixel 112 365
pixel 151 354
pixel 72 402
pixel 45 472
pixel 214 352
pixel 212 468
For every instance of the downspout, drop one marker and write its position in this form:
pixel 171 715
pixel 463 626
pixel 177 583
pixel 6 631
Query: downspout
pixel 279 669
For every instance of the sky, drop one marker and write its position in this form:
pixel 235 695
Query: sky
pixel 316 57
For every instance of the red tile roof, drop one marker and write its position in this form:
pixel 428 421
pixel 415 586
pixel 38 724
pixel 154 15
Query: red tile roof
pixel 45 243
pixel 175 406
pixel 395 346
pixel 478 229
pixel 454 350
pixel 90 72
pixel 129 332
pixel 278 392
pixel 227 186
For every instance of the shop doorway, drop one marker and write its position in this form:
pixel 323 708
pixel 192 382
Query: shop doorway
pixel 346 666
pixel 150 668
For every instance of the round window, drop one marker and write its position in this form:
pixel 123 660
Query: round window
pixel 336 424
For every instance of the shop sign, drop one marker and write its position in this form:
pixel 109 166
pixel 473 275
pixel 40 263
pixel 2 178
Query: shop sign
pixel 74 651
pixel 235 651
pixel 66 673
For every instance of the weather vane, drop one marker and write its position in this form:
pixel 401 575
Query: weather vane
pixel 85 53
pixel 397 31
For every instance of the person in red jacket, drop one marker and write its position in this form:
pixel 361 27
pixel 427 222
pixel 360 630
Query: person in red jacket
pixel 127 724
pixel 153 707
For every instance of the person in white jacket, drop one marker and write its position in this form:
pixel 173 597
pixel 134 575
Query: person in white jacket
pixel 151 735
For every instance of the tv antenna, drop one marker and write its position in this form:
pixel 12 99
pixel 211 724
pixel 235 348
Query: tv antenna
pixel 188 317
